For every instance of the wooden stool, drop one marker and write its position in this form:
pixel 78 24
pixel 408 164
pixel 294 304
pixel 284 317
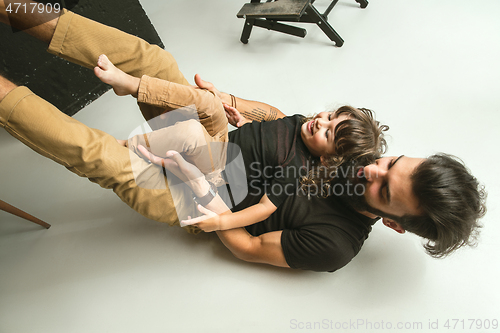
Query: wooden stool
pixel 15 211
pixel 267 14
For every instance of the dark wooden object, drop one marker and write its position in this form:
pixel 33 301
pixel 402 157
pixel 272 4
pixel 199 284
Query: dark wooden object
pixel 268 14
pixel 16 211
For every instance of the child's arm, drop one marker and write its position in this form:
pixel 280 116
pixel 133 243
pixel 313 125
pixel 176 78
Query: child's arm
pixel 247 216
pixel 265 248
pixel 234 117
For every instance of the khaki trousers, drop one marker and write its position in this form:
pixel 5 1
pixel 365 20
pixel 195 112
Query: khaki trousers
pixel 92 153
pixel 81 41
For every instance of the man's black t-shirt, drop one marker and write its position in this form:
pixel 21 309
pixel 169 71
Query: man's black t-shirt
pixel 319 234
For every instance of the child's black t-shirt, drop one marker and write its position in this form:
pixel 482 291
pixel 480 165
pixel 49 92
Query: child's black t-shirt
pixel 275 157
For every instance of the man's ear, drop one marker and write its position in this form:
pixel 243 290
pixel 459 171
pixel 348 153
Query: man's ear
pixel 393 225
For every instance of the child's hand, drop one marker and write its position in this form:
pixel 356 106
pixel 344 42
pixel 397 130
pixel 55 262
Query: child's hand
pixel 208 222
pixel 234 117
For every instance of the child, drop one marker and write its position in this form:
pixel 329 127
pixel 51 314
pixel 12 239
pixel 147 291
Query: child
pixel 275 152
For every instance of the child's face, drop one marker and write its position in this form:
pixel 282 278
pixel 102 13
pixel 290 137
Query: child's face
pixel 319 133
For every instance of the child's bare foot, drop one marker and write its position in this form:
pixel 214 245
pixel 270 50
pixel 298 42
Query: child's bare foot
pixel 122 83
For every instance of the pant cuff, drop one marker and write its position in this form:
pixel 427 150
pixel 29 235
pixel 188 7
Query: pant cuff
pixel 63 24
pixel 10 101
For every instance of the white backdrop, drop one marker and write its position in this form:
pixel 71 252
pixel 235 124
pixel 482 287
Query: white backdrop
pixel 428 68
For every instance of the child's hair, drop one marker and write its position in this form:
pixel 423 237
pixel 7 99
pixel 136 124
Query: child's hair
pixel 359 138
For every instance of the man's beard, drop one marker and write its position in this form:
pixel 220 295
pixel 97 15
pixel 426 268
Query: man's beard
pixel 347 177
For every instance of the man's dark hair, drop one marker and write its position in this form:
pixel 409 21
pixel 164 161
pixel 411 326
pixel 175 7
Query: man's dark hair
pixel 452 200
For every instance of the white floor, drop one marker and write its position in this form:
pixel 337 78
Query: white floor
pixel 430 69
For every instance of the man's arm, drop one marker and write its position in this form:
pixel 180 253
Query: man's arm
pixel 251 110
pixel 265 249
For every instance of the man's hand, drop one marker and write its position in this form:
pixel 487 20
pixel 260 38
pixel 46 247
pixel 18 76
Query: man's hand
pixel 225 98
pixel 208 222
pixel 206 85
pixel 234 117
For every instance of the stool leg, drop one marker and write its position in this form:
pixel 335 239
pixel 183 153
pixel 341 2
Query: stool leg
pixel 362 3
pixel 247 29
pixel 314 16
pixel 16 211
